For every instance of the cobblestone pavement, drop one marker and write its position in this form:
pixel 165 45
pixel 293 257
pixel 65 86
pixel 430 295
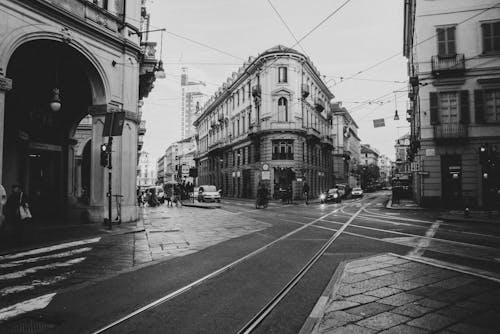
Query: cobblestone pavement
pixel 30 279
pixel 389 294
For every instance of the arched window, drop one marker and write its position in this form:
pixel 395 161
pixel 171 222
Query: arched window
pixel 282 110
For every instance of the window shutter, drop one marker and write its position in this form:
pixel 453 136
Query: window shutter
pixel 464 107
pixel 486 28
pixel 434 108
pixel 479 105
pixel 441 39
pixel 451 40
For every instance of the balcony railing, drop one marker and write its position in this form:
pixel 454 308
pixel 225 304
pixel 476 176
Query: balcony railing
pixel 305 91
pixel 256 91
pixel 319 105
pixel 448 65
pixel 451 131
pixel 282 156
pixel 142 127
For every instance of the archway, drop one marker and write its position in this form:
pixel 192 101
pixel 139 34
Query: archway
pixel 38 148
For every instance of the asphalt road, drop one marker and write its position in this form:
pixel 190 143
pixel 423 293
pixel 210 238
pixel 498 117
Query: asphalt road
pixel 226 302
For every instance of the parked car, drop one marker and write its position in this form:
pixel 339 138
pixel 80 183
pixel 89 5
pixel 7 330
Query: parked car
pixel 357 192
pixel 342 189
pixel 332 195
pixel 208 193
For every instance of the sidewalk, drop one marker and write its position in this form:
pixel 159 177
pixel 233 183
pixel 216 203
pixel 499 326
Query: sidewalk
pixel 474 217
pixel 392 294
pixel 404 204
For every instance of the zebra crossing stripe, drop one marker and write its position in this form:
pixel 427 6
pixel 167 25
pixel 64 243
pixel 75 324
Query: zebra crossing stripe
pixel 49 249
pixel 26 306
pixel 32 270
pixel 34 284
pixel 45 257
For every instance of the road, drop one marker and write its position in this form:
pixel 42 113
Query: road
pixel 221 287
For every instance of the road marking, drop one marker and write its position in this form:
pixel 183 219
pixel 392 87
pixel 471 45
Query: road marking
pixel 425 242
pixel 36 283
pixel 26 306
pixel 49 249
pixel 46 257
pixel 32 270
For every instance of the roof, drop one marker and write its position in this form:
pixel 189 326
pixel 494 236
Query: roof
pixel 367 149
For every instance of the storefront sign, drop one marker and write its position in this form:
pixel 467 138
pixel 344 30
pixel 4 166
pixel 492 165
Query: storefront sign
pixel 266 175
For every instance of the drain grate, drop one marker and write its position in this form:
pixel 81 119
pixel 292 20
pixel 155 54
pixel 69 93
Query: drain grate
pixel 26 326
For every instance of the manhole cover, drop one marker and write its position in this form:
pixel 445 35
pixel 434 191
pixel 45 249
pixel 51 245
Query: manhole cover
pixel 26 326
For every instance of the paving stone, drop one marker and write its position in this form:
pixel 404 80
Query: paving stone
pixel 407 285
pixel 382 292
pixel 399 299
pixel 454 282
pixel 348 329
pixel 456 312
pixel 363 269
pixel 379 272
pixel 384 320
pixel 404 329
pixel 487 319
pixel 469 304
pixel 427 291
pixel 336 319
pixel 368 310
pixel 361 299
pixel 340 305
pixel 463 328
pixel 487 298
pixel 432 322
pixel 353 278
pixel 412 310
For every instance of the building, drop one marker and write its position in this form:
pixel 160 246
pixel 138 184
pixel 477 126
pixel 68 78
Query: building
pixel 147 171
pixel 161 166
pixel 369 155
pixel 384 165
pixel 61 61
pixel 401 148
pixel 270 122
pixel 183 156
pixel 192 99
pixel 454 81
pixel 347 146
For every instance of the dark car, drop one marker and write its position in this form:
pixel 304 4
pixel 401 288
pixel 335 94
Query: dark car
pixel 332 195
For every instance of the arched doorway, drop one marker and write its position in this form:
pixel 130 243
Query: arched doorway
pixel 38 140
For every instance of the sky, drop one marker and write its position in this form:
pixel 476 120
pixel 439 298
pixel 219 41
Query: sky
pixel 359 35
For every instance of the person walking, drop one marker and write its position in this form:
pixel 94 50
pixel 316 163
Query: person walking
pixel 305 192
pixel 16 200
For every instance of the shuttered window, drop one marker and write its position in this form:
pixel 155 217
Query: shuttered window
pixel 448 107
pixel 282 74
pixel 446 41
pixel 491 37
pixel 491 106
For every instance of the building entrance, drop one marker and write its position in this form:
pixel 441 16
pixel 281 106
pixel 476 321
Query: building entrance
pixel 451 176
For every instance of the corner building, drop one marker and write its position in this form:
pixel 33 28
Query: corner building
pixel 270 122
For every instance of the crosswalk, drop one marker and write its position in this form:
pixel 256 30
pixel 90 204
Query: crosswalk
pixel 26 278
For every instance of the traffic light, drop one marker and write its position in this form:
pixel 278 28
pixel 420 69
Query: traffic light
pixel 484 154
pixel 104 155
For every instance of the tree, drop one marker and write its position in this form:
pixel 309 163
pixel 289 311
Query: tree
pixel 368 174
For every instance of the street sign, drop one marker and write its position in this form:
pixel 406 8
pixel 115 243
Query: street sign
pixel 415 166
pixel 378 123
pixel 266 175
pixel 115 129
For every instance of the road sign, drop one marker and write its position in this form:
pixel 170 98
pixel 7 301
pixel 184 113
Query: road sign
pixel 113 124
pixel 378 123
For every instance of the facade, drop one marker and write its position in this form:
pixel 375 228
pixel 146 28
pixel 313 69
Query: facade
pixel 270 122
pixel 454 83
pixel 61 61
pixel 347 146
pixel 161 165
pixel 369 155
pixel 183 155
pixel 384 165
pixel 401 148
pixel 192 100
pixel 147 171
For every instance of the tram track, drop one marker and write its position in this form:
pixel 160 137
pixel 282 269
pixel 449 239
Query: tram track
pixel 170 296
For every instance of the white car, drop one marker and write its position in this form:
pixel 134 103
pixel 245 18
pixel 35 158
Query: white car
pixel 208 193
pixel 357 192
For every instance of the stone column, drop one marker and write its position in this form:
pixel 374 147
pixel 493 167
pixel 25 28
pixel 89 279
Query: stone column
pixel 5 86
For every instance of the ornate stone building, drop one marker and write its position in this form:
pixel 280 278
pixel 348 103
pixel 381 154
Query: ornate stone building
pixel 61 61
pixel 271 123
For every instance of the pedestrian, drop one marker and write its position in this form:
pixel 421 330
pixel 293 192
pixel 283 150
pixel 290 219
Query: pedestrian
pixel 305 192
pixel 16 202
pixel 177 196
pixel 276 190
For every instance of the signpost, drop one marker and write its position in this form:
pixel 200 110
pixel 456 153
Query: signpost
pixel 378 123
pixel 113 126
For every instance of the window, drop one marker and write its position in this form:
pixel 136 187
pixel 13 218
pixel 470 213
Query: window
pixel 492 106
pixel 243 94
pixel 491 37
pixel 282 74
pixel 238 127
pixel 446 41
pixel 100 3
pixel 243 124
pixel 282 149
pixel 448 107
pixel 282 110
pixel 238 97
pixel 249 90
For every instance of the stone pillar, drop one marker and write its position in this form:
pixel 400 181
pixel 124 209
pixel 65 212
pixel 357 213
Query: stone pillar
pixel 5 86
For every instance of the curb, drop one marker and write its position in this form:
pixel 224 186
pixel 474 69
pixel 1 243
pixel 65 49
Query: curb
pixel 311 323
pixel 390 207
pixel 468 220
pixel 191 205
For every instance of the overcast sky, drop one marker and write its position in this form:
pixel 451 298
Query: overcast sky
pixel 361 34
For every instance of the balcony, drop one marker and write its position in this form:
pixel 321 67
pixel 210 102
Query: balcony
pixel 319 105
pixel 305 91
pixel 282 156
pixel 326 140
pixel 450 132
pixel 147 69
pixel 256 91
pixel 142 128
pixel 448 66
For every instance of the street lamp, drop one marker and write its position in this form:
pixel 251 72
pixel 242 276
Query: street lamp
pixel 55 101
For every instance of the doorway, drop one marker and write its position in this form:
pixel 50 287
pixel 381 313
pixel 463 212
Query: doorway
pixel 451 177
